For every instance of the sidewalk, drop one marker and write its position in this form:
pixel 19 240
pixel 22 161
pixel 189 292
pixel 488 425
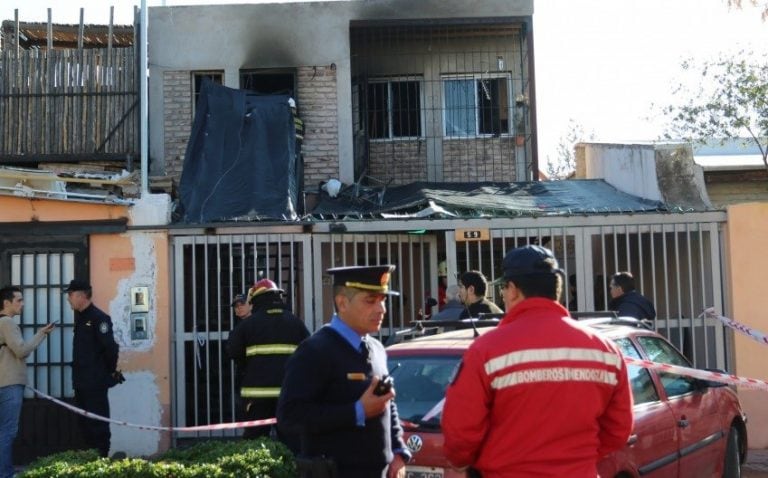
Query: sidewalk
pixel 756 465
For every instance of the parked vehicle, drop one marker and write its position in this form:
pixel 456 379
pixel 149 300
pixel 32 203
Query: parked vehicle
pixel 684 427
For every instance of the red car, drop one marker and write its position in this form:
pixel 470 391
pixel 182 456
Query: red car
pixel 684 427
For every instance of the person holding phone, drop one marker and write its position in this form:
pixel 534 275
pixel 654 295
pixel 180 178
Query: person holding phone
pixel 13 371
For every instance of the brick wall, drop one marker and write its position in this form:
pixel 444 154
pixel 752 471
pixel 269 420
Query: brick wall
pixel 316 98
pixel 400 162
pixel 177 119
pixel 486 159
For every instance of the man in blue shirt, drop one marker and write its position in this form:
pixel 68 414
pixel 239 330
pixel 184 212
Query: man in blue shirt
pixel 331 395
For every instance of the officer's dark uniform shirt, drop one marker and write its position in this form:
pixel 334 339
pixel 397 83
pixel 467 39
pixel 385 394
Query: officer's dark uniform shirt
pixel 632 304
pixel 94 354
pixel 263 342
pixel 482 306
pixel 324 379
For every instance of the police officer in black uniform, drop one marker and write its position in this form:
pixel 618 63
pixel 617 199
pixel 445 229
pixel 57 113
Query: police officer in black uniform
pixel 94 362
pixel 332 395
pixel 262 343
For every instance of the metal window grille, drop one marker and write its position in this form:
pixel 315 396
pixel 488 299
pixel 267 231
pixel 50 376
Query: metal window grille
pixel 434 102
pixel 42 277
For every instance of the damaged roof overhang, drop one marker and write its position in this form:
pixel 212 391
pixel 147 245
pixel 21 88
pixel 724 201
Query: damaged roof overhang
pixel 485 199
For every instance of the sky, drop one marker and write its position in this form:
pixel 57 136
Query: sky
pixel 601 63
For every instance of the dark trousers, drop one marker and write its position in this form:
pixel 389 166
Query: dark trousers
pixel 258 409
pixel 95 432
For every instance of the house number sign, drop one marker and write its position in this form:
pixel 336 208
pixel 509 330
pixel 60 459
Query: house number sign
pixel 469 235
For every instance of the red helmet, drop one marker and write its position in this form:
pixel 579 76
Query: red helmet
pixel 263 286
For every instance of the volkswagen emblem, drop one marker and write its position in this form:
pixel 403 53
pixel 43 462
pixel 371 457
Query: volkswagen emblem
pixel 414 443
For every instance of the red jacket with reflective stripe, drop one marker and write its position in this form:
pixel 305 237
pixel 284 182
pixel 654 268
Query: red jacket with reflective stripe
pixel 541 395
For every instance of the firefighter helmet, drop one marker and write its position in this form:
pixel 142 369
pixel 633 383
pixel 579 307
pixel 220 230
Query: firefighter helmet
pixel 264 286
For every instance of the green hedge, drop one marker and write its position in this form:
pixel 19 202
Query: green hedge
pixel 217 459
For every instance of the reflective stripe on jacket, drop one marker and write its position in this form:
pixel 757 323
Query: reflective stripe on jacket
pixel 270 349
pixel 540 395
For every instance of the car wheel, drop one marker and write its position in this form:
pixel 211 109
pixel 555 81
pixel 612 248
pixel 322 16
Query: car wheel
pixel 732 465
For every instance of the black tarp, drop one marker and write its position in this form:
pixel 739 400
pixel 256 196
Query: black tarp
pixel 240 162
pixel 485 199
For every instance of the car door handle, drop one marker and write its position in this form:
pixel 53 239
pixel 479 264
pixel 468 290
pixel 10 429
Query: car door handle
pixel 632 440
pixel 682 423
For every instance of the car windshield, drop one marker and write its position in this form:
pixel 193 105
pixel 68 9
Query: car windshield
pixel 420 383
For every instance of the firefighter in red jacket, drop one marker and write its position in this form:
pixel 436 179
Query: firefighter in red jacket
pixel 263 342
pixel 540 395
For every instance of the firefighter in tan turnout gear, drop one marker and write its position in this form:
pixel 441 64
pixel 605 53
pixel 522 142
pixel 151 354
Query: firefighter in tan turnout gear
pixel 263 342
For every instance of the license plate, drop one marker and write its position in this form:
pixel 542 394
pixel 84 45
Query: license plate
pixel 423 472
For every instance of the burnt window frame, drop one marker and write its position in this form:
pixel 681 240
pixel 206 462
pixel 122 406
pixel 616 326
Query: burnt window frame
pixel 476 78
pixel 217 76
pixel 389 81
pixel 245 78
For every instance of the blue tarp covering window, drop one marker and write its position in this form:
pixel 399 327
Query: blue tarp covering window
pixel 241 161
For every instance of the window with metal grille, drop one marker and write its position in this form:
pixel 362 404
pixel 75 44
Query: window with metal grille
pixel 477 105
pixel 394 109
pixel 42 276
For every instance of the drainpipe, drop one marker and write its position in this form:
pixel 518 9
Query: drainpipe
pixel 144 111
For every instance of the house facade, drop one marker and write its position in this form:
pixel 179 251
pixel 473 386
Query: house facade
pixel 397 91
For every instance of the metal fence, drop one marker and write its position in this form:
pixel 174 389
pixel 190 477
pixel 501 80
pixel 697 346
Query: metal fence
pixel 674 258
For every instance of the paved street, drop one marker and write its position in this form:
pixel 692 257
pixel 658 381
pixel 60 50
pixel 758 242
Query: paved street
pixel 757 464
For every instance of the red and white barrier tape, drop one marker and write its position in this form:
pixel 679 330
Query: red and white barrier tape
pixel 676 369
pixel 200 428
pixel 702 374
pixel 748 331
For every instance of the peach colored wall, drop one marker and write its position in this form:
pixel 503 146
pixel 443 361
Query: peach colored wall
pixel 746 235
pixel 119 262
pixel 33 209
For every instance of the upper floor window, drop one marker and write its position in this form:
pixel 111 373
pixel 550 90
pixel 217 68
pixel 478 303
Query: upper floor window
pixel 269 81
pixel 394 109
pixel 197 83
pixel 477 105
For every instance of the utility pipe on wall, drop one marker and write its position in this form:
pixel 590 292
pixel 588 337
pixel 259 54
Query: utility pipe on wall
pixel 144 107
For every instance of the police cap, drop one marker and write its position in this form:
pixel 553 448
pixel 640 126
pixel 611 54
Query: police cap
pixel 76 285
pixel 367 278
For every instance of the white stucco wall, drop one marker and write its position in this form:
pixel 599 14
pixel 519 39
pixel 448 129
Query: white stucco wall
pixel 144 411
pixel 627 167
pixel 284 35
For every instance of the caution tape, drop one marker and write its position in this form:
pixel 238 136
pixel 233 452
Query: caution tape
pixel 702 374
pixel 748 331
pixel 200 428
pixel 676 369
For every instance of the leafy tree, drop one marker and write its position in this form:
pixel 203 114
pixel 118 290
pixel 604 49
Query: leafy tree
pixel 729 99
pixel 564 164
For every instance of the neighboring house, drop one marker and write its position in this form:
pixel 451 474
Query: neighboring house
pixel 734 172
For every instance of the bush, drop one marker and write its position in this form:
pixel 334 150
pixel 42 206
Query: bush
pixel 216 459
